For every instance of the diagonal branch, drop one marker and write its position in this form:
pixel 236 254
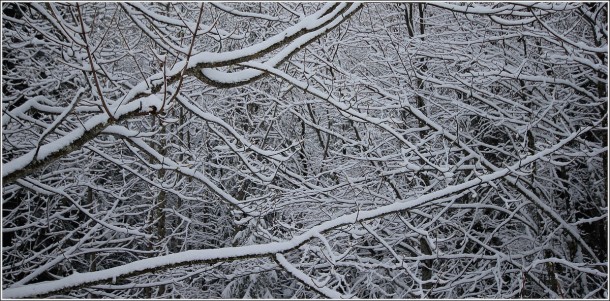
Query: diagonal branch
pixel 81 280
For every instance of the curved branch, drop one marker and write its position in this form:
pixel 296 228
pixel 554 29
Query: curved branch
pixel 80 280
pixel 27 164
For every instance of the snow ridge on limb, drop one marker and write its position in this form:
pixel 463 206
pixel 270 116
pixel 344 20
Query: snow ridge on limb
pixel 263 250
pixel 515 9
pixel 320 22
pixel 129 106
pixel 45 154
pixel 226 79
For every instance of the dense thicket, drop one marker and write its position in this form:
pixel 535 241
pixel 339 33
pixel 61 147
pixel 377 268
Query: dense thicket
pixel 278 150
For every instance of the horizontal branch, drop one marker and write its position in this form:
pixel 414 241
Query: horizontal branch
pixel 80 280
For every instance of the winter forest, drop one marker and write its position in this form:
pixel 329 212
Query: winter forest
pixel 304 150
